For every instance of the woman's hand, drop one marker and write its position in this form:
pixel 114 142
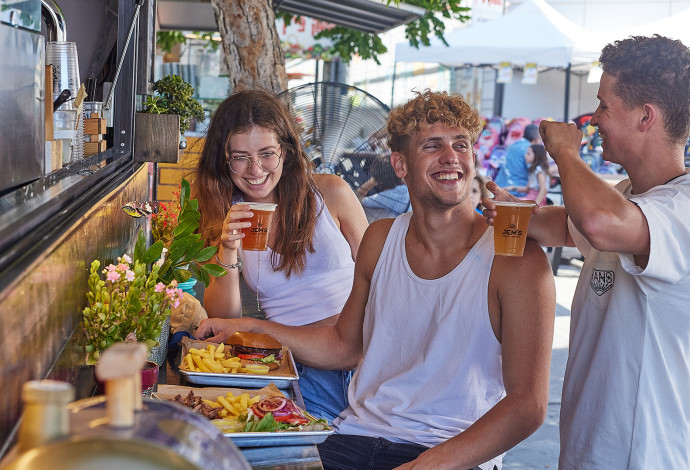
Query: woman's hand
pixel 234 220
pixel 218 330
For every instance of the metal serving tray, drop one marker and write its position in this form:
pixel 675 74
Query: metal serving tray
pixel 281 377
pixel 286 438
pixel 251 439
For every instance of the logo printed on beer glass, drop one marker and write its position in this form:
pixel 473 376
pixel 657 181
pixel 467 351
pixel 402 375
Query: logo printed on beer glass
pixel 512 231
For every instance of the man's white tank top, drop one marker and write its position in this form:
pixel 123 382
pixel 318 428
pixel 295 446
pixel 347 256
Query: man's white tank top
pixel 432 364
pixel 317 293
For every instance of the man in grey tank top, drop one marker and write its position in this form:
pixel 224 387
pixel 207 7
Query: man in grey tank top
pixel 452 343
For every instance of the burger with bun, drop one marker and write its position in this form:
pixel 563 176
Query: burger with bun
pixel 256 348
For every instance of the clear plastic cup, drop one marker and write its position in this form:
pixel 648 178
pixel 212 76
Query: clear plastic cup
pixel 510 227
pixel 256 236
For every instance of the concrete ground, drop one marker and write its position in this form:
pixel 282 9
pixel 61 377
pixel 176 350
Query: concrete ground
pixel 540 450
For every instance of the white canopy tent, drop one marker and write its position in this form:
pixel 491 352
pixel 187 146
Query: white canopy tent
pixel 675 27
pixel 531 33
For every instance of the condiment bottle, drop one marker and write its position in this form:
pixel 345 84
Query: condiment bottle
pixel 45 416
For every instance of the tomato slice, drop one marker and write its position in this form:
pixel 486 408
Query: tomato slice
pixel 251 357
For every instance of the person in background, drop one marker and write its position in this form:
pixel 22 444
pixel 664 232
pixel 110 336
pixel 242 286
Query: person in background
pixel 514 171
pixel 539 176
pixel 452 343
pixel 253 153
pixel 478 193
pixel 383 194
pixel 625 398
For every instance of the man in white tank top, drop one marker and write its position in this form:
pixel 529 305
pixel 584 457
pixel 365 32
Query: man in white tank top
pixel 452 344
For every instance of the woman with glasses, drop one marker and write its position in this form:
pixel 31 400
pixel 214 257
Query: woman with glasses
pixel 253 154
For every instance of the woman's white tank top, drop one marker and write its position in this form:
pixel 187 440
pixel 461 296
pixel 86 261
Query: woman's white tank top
pixel 317 293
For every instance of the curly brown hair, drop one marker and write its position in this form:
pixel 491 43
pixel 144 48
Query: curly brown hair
pixel 428 108
pixel 653 70
pixel 296 191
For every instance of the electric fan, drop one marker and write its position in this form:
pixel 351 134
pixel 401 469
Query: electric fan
pixel 343 131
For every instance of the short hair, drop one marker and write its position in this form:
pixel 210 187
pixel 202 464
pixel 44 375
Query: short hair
pixel 531 132
pixel 426 109
pixel 653 70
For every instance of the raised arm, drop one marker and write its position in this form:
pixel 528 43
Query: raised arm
pixel 222 297
pixel 524 292
pixel 604 217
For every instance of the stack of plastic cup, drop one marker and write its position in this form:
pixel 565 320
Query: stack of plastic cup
pixel 63 57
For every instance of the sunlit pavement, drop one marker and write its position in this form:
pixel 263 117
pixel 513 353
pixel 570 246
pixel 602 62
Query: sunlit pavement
pixel 540 450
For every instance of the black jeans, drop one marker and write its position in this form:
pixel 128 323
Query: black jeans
pixel 349 452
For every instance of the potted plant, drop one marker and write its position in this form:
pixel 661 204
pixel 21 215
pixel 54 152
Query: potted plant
pixel 174 96
pixel 127 302
pixel 159 130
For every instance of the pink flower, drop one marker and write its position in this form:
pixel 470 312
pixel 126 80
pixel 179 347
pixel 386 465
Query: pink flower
pixel 173 283
pixel 123 267
pixel 159 287
pixel 111 267
pixel 176 304
pixel 113 276
pixel 127 258
pixel 129 275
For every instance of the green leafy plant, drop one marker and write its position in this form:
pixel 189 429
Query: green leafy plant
pixel 130 304
pixel 175 96
pixel 187 255
pixel 348 42
pixel 166 40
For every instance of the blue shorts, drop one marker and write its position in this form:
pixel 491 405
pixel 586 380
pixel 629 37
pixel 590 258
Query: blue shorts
pixel 324 391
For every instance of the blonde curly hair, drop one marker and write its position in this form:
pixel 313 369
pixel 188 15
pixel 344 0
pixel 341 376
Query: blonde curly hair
pixel 428 108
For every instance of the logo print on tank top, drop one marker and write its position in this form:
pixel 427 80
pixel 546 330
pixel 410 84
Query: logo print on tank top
pixel 601 281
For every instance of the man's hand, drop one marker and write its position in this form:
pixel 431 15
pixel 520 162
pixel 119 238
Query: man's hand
pixel 560 138
pixel 217 330
pixel 500 194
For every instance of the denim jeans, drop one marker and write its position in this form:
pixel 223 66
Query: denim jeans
pixel 350 452
pixel 324 391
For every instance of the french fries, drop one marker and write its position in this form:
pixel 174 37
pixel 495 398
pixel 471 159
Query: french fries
pixel 217 360
pixel 233 405
pixel 211 359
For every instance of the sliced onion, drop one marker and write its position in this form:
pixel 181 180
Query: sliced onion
pixel 272 405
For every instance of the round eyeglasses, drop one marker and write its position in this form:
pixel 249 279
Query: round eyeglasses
pixel 265 161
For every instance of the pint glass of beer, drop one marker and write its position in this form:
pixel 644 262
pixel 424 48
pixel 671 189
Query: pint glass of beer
pixel 510 227
pixel 256 236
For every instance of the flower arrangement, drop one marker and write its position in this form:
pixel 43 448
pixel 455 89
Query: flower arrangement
pixel 128 304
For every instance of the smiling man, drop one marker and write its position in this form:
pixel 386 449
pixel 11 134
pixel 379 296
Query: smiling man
pixel 626 394
pixel 452 344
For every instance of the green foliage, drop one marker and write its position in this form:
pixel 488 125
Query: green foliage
pixel 175 96
pixel 166 40
pixel 186 255
pixel 348 42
